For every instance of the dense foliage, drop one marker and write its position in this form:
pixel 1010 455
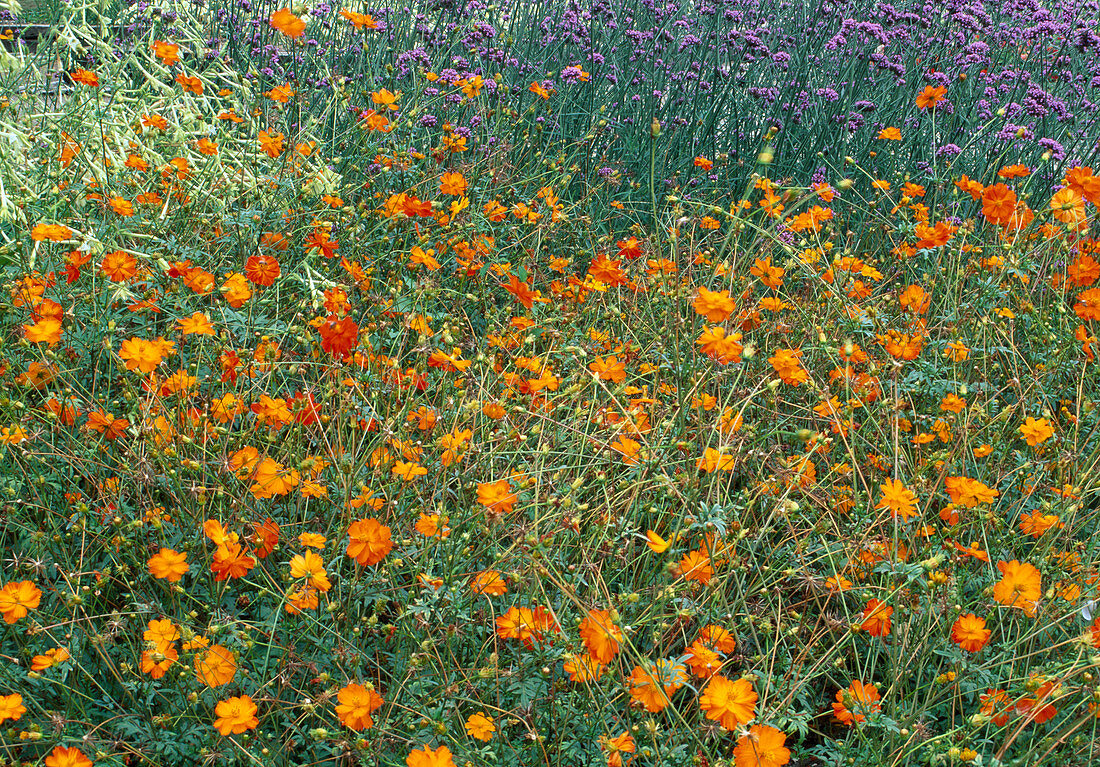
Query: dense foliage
pixel 547 383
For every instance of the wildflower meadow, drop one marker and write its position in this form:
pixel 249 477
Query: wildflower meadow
pixel 450 383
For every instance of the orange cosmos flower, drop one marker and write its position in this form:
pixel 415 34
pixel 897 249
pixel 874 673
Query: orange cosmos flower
pixel 262 270
pixel 287 23
pixel 67 756
pixel 490 583
pixel 168 564
pixel 11 707
pixel 876 618
pixel 1020 586
pixel 854 704
pixel 497 497
pixel 51 233
pixel 1036 432
pixel 426 757
pixel 369 542
pixel 899 499
pixel 356 702
pixel 761 746
pixel 141 355
pixel 968 492
pixel 600 635
pixel 215 666
pixel 480 726
pixel 930 96
pixel 716 306
pixel 616 747
pixel 310 566
pixel 999 204
pixel 18 599
pixel 84 77
pixel 730 703
pixel 787 366
pixel 696 566
pixel 653 685
pixel 969 632
pixel 890 134
pixel 236 715
pixel 49 659
pixel 43 332
pixel 360 20
pixel 608 369
pixel 168 53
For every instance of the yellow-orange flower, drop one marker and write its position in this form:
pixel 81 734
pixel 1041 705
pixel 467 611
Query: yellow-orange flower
pixel 729 702
pixel 236 715
pixel 355 703
pixel 18 599
pixel 369 542
pixel 1020 586
pixel 168 564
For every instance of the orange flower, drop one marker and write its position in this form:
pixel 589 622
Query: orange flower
pixel 262 269
pixel 43 332
pixel 716 306
pixel 890 134
pixel 1020 586
pixel 49 659
pixel 310 566
pixel 67 756
pixel 653 685
pixel 998 204
pixel 696 566
pixel 18 599
pixel 197 324
pixel 730 703
pixel 583 668
pixel 84 77
pixel 497 497
pixel 118 266
pixel 369 542
pixel 608 369
pixel 1036 432
pixel 426 757
pixel 356 702
pixel 385 99
pixel 360 20
pixel 480 726
pixel 968 492
pixel 930 96
pixel 168 53
pixel 490 583
pixel 168 564
pixel 761 746
pixel 287 23
pixel 271 143
pixel 854 704
pixel 996 705
pixel 616 747
pixel 236 715
pixel 51 233
pixel 11 707
pixel 876 618
pixel 787 366
pixel 600 635
pixel 1037 523
pixel 899 499
pixel 215 666
pixel 526 624
pixel 453 184
pixel 141 355
pixel 969 632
